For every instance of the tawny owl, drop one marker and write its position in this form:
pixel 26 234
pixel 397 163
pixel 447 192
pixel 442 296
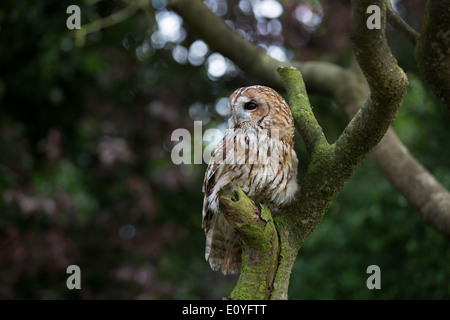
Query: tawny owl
pixel 257 154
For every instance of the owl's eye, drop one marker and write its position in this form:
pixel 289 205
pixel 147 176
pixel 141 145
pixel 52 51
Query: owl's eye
pixel 250 106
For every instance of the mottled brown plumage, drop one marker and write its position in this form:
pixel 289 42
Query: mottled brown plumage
pixel 257 154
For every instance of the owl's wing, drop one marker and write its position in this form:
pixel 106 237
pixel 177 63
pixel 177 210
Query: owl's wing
pixel 217 159
pixel 222 248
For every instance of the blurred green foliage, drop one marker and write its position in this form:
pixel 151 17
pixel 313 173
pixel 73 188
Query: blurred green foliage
pixel 86 176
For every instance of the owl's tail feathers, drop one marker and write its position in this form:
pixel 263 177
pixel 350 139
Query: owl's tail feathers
pixel 232 261
pixel 222 247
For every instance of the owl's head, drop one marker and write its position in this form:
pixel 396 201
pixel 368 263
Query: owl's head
pixel 259 106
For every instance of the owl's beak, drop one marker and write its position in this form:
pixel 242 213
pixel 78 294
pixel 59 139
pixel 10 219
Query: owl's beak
pixel 235 118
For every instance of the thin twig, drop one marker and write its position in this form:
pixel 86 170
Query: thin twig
pixel 133 6
pixel 398 23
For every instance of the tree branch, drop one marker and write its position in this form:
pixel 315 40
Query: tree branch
pixel 422 191
pixel 419 187
pixel 387 82
pixel 345 86
pixel 221 38
pixel 432 50
pixel 260 244
pixel 398 23
pixel 319 76
pixel 125 13
pixel 330 166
